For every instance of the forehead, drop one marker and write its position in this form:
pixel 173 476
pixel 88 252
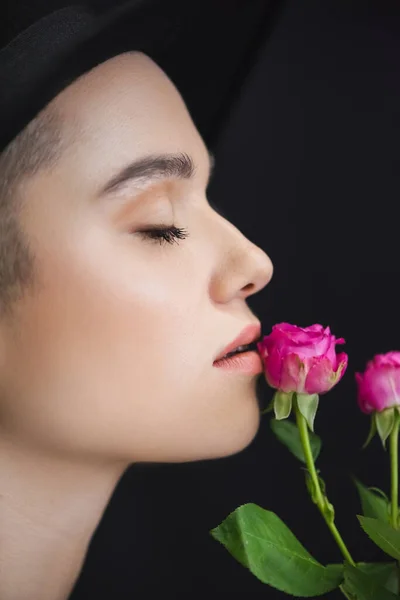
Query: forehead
pixel 128 107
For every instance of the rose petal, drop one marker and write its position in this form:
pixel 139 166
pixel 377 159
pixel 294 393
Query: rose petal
pixel 293 374
pixel 273 364
pixel 316 327
pixel 388 359
pixel 342 360
pixel 320 376
pixel 290 352
pixel 378 388
pixel 363 397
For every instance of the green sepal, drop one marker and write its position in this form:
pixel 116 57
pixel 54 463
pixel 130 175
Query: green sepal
pixel 269 408
pixel 385 423
pixel 321 483
pixel 308 405
pixel 372 432
pixel 282 404
pixel 311 486
pixel 329 510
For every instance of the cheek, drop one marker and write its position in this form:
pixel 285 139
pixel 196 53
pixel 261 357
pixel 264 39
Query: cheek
pixel 110 360
pixel 100 349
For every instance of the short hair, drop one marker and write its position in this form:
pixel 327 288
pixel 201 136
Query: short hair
pixel 38 146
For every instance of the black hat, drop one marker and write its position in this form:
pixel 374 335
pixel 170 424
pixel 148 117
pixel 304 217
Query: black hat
pixel 46 44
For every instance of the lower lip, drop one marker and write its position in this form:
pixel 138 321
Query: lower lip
pixel 246 362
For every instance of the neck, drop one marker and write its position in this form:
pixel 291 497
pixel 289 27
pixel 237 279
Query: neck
pixel 49 510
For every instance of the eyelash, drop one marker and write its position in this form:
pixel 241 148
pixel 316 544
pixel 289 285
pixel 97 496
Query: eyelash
pixel 165 235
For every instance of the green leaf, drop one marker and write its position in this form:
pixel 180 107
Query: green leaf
pixel 337 568
pixel 385 574
pixel 308 405
pixel 372 505
pixel 384 423
pixel 372 431
pixel 288 433
pixel 282 404
pixel 383 535
pixel 364 586
pixel 380 492
pixel 260 541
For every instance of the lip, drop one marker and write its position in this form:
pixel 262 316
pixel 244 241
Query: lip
pixel 249 363
pixel 249 334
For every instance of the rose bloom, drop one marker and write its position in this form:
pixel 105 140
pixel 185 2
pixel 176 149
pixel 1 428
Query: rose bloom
pixel 302 359
pixel 379 385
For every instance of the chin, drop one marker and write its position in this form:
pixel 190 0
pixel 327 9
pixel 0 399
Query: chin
pixel 227 432
pixel 240 432
pixel 227 443
pixel 237 443
pixel 229 439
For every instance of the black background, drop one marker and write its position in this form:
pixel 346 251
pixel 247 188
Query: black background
pixel 307 167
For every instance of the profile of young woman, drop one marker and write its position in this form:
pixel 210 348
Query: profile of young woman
pixel 119 286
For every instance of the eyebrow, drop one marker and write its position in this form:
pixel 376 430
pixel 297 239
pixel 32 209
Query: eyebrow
pixel 156 167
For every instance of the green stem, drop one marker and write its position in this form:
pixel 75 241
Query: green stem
pixel 394 471
pixel 320 500
pixel 394 477
pixel 346 594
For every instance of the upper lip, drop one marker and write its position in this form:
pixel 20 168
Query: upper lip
pixel 249 334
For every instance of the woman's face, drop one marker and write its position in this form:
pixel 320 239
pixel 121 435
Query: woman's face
pixel 111 359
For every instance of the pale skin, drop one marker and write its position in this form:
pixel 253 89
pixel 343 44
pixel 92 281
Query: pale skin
pixel 109 362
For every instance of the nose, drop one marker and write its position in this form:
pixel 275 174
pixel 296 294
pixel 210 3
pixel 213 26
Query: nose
pixel 243 267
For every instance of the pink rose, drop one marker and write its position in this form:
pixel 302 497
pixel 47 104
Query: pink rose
pixel 302 359
pixel 379 385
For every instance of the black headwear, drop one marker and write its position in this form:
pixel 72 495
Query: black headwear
pixel 203 45
pixel 46 44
